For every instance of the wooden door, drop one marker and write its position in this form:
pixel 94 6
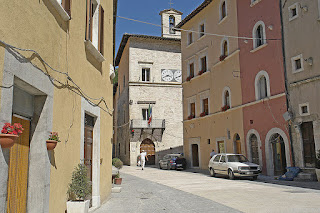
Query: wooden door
pixel 221 148
pixel 238 147
pixel 18 170
pixel 149 148
pixel 88 148
pixel 308 144
pixel 195 155
pixel 279 155
pixel 254 149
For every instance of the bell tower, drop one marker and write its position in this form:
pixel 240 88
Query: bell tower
pixel 169 19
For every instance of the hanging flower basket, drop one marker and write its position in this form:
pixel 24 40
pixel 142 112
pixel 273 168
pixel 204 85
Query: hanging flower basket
pixel 52 141
pixel 10 134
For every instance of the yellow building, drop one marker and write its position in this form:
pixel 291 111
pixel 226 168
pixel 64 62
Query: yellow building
pixel 56 62
pixel 211 82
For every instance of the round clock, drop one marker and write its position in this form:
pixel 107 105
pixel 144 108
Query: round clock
pixel 167 75
pixel 177 75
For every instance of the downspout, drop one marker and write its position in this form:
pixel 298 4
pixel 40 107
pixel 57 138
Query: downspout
pixel 286 80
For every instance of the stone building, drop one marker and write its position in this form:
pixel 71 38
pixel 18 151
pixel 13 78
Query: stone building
pixel 55 88
pixel 149 81
pixel 211 83
pixel 301 32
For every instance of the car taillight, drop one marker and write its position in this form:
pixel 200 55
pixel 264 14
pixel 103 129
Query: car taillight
pixel 171 161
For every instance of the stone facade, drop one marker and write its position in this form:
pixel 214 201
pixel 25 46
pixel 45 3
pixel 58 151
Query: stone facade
pixel 301 32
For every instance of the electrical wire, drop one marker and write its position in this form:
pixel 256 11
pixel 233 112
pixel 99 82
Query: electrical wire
pixel 81 92
pixel 204 33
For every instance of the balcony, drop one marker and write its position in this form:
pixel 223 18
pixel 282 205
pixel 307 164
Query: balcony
pixel 143 124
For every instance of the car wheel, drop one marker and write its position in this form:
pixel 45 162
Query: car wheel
pixel 212 173
pixel 230 174
pixel 254 177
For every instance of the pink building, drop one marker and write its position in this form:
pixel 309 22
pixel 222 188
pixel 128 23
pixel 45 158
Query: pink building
pixel 263 85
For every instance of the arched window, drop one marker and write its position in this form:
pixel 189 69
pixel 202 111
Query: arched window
pixel 223 10
pixel 259 34
pixel 225 48
pixel 172 24
pixel 227 98
pixel 262 85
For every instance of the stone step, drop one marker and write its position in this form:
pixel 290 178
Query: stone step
pixel 308 170
pixel 302 176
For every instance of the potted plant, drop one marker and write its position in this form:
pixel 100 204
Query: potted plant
pixel 191 117
pixel 78 191
pixel 10 134
pixel 52 141
pixel 318 165
pixel 201 72
pixel 118 164
pixel 225 108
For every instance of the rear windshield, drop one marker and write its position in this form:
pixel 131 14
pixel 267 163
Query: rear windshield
pixel 237 158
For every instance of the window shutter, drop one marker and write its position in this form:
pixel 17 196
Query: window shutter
pixel 66 4
pixel 101 23
pixel 89 21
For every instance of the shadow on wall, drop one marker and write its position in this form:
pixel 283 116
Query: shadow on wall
pixel 64 25
pixel 172 150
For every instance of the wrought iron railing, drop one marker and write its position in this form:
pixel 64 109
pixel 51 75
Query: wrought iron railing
pixel 143 124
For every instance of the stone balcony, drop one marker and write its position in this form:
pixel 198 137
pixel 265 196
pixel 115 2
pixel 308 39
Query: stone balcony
pixel 141 128
pixel 143 124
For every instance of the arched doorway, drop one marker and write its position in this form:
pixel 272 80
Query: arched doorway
pixel 254 149
pixel 279 154
pixel 237 144
pixel 148 146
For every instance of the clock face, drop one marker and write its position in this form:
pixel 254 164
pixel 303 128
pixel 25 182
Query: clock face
pixel 177 75
pixel 167 75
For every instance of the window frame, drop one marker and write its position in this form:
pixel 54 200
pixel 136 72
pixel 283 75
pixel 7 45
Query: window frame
pixel 221 17
pixel 226 89
pixel 222 46
pixel 147 77
pixel 256 84
pixel 172 31
pixel 191 61
pixel 293 64
pixel 189 42
pixel 296 6
pixel 191 100
pixel 254 35
pixel 300 109
pixel 202 34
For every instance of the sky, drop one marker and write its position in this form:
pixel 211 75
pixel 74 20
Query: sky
pixel 147 11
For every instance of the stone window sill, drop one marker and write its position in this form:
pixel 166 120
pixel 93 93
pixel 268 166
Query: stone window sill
pixel 259 48
pixel 254 3
pixel 222 20
pixel 60 10
pixel 95 53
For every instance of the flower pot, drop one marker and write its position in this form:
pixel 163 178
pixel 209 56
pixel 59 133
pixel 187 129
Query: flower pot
pixel 118 181
pixel 8 140
pixel 318 174
pixel 78 206
pixel 51 144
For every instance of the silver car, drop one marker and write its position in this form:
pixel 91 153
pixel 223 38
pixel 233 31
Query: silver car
pixel 233 165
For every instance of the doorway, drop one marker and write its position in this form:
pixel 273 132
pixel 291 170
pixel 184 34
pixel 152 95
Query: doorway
pixel 148 146
pixel 309 153
pixel 88 147
pixel 18 169
pixel 221 148
pixel 254 149
pixel 279 154
pixel 195 155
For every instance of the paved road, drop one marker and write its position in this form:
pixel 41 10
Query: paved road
pixel 155 190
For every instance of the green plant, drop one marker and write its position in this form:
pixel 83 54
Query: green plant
pixel 15 129
pixel 79 188
pixel 54 136
pixel 115 160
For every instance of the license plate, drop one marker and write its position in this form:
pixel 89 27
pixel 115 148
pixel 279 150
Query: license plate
pixel 179 164
pixel 249 173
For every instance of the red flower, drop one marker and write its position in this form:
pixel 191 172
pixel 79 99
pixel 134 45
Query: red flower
pixel 15 129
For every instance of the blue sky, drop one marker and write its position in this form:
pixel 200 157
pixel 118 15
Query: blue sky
pixel 148 11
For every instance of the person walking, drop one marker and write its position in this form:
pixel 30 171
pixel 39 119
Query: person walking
pixel 143 157
pixel 213 153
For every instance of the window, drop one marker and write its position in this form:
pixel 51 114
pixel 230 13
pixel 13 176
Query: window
pixel 293 11
pixel 262 85
pixel 192 110
pixel 254 2
pixel 223 159
pixel 223 10
pixel 208 141
pixel 205 104
pixel 203 64
pixel 217 158
pixel 145 114
pixel 66 4
pixel 95 23
pixel 259 35
pixel 304 109
pixel 145 74
pixel 227 98
pixel 224 48
pixel 190 38
pixel 191 70
pixel 172 25
pixel 201 30
pixel 297 63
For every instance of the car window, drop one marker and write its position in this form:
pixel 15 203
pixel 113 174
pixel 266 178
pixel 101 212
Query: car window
pixel 223 159
pixel 166 157
pixel 237 158
pixel 217 158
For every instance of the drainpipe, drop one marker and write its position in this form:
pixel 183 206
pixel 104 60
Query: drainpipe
pixel 286 80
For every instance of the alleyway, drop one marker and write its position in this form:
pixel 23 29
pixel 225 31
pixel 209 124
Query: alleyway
pixel 154 190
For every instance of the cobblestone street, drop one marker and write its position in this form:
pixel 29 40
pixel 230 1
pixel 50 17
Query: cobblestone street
pixel 155 190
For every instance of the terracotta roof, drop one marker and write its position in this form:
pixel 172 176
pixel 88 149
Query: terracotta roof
pixel 167 10
pixel 126 37
pixel 194 13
